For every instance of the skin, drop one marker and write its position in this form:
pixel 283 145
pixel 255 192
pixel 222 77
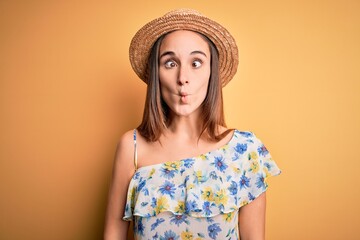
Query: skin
pixel 184 70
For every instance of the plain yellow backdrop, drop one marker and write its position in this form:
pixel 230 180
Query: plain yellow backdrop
pixel 67 93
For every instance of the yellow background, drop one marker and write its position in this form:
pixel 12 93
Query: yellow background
pixel 67 93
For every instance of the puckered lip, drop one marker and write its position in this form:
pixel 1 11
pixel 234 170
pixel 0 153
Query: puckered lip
pixel 183 94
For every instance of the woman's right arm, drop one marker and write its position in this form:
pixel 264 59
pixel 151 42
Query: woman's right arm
pixel 123 169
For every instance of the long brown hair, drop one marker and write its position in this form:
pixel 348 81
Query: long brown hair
pixel 156 112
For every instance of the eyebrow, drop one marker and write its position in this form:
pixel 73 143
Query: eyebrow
pixel 173 54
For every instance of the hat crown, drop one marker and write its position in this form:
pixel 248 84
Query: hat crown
pixel 183 11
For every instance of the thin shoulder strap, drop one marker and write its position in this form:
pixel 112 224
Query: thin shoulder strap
pixel 135 150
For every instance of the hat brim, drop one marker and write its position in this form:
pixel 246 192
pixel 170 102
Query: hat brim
pixel 145 38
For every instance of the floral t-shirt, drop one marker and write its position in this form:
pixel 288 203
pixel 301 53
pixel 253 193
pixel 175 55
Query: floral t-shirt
pixel 199 197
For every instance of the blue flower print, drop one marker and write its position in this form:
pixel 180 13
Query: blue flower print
pixel 127 207
pixel 139 227
pixel 262 150
pixel 260 182
pixel 244 182
pixel 142 183
pixel 156 223
pixel 213 230
pixel 209 220
pixel 141 187
pixel 267 165
pixel 220 164
pixel 179 219
pixel 213 175
pixel 246 134
pixel 233 188
pixel 145 191
pixel 167 173
pixel 190 206
pixel 168 188
pixel 235 157
pixel 206 208
pixel 183 199
pixel 169 235
pixel 136 175
pixel 188 162
pixel 251 197
pixel 183 185
pixel 240 148
pixel 153 202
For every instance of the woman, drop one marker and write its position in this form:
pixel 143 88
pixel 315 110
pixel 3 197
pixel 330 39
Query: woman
pixel 182 174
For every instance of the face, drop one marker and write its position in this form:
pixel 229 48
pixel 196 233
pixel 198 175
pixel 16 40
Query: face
pixel 184 71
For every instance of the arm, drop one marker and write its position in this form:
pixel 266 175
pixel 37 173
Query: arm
pixel 115 227
pixel 252 219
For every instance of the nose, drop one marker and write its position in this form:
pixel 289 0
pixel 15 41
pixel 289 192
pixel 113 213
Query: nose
pixel 183 76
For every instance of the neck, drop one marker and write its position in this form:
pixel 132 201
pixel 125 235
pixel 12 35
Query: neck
pixel 186 128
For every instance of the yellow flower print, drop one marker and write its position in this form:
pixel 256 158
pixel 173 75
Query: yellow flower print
pixel 152 172
pixel 228 216
pixel 221 197
pixel 186 235
pixel 253 156
pixel 175 165
pixel 180 208
pixel 200 177
pixel 161 204
pixel 224 147
pixel 132 193
pixel 203 157
pixel 254 167
pixel 243 203
pixel 190 186
pixel 207 194
pixel 235 168
pixel 267 174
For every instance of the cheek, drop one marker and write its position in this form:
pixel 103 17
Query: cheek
pixel 165 79
pixel 203 82
pixel 166 92
pixel 203 91
pixel 165 88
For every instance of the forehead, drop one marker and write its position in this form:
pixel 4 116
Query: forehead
pixel 185 41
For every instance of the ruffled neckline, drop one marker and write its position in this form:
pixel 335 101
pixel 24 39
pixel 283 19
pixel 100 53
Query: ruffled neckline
pixel 142 168
pixel 219 181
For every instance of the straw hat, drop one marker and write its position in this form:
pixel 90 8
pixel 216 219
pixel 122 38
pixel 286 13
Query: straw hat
pixel 184 19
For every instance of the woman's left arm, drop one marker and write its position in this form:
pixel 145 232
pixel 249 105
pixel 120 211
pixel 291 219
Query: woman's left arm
pixel 252 219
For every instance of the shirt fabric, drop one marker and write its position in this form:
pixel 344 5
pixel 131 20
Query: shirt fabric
pixel 199 197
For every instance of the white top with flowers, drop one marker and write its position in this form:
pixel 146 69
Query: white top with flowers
pixel 199 197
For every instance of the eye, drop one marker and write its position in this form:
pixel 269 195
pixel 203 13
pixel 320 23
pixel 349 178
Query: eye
pixel 196 64
pixel 170 64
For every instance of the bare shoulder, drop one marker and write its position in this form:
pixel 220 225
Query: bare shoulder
pixel 124 157
pixel 123 170
pixel 227 133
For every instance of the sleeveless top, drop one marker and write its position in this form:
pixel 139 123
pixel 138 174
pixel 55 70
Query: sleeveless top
pixel 199 197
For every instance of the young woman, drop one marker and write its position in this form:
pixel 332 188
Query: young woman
pixel 182 174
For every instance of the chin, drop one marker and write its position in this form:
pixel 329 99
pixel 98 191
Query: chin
pixel 181 113
pixel 185 111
